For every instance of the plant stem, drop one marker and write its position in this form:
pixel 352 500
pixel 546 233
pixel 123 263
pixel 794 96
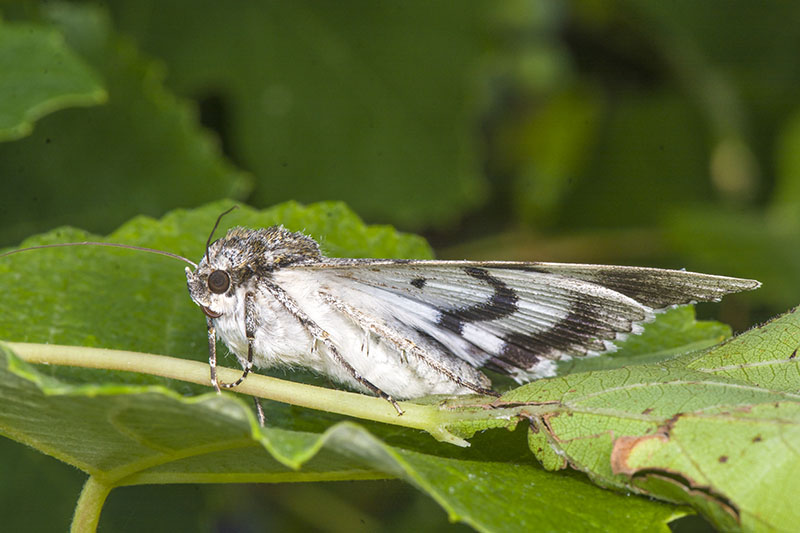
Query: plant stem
pixel 90 503
pixel 429 418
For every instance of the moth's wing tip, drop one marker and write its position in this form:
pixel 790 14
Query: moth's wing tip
pixel 751 284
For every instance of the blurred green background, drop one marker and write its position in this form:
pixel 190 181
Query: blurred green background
pixel 651 133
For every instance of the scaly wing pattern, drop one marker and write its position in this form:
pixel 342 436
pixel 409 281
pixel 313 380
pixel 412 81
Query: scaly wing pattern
pixel 517 318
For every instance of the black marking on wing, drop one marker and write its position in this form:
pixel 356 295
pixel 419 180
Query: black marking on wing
pixel 518 352
pixel 523 350
pixel 419 282
pixel 503 303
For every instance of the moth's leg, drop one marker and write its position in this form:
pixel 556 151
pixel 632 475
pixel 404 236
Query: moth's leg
pixel 400 342
pixel 250 328
pixel 321 335
pixel 353 372
pixel 259 411
pixel 250 333
pixel 212 352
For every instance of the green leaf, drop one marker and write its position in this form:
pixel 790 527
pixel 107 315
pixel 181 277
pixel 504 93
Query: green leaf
pixel 125 428
pixel 125 435
pixel 475 491
pixel 142 153
pixel 713 430
pixel 748 358
pixel 41 75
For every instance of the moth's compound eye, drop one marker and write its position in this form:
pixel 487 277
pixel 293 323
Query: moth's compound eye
pixel 219 281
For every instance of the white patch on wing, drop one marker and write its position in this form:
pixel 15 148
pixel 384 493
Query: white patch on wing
pixel 482 338
pixel 545 316
pixel 546 368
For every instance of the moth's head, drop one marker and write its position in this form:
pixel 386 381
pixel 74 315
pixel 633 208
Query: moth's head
pixel 212 290
pixel 211 284
pixel 238 258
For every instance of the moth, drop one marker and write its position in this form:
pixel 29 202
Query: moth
pixel 408 328
pixel 403 329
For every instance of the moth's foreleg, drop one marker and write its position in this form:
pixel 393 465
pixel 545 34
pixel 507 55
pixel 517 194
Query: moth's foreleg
pixel 250 328
pixel 250 333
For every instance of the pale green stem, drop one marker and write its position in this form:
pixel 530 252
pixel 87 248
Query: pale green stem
pixel 426 417
pixel 90 503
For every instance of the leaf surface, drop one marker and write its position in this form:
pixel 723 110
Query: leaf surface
pixel 715 430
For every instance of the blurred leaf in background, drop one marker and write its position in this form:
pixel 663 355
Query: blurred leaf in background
pixel 41 75
pixel 363 100
pixel 618 132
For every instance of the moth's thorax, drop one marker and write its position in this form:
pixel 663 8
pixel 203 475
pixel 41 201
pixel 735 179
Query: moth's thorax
pixel 244 252
pixel 245 255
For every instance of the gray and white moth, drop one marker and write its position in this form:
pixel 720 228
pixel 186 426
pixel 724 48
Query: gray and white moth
pixel 409 328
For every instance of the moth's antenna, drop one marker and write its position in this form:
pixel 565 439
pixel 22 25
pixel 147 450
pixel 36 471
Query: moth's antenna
pixel 108 244
pixel 216 225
